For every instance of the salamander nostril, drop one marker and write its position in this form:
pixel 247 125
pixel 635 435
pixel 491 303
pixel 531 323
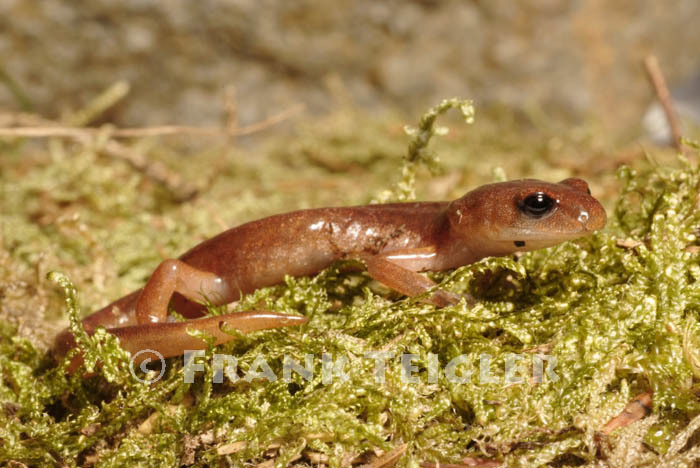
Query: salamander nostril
pixel 583 216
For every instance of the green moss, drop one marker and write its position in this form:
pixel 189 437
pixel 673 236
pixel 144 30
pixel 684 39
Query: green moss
pixel 618 320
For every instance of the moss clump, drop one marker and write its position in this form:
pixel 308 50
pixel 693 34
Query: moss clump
pixel 617 311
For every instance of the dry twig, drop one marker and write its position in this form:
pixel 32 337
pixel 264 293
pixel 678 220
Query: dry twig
pixel 390 458
pixel 468 462
pixel 651 64
pixel 638 408
pixel 163 130
pixel 182 191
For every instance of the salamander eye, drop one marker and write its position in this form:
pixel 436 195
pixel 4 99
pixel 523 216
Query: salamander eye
pixel 537 205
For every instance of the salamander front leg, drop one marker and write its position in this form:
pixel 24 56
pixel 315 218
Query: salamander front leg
pixel 403 280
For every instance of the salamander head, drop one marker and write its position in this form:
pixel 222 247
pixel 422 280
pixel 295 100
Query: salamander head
pixel 525 215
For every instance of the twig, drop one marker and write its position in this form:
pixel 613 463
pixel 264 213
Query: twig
pixel 651 64
pixel 390 458
pixel 156 171
pixel 48 132
pixel 163 130
pixel 180 190
pixel 468 462
pixel 272 120
pixel 638 408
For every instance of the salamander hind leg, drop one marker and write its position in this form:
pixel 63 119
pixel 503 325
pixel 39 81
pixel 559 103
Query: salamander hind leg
pixel 153 332
pixel 173 276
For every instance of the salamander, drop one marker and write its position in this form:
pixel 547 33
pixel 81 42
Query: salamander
pixel 395 241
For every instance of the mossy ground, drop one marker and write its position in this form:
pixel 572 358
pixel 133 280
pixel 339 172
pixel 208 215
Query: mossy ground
pixel 619 320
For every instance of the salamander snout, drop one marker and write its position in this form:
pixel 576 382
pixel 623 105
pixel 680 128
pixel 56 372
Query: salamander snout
pixel 591 213
pixel 592 216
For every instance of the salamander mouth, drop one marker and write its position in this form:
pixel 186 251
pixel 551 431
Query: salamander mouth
pixel 547 236
pixel 536 240
pixel 541 242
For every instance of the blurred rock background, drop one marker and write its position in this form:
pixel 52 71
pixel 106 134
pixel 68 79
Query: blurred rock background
pixel 572 59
